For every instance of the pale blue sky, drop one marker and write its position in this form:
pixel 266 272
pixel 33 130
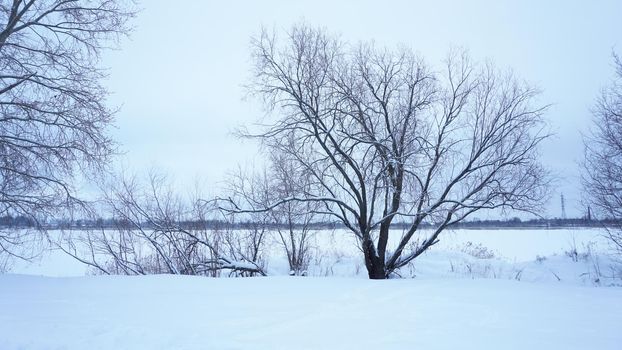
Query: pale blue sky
pixel 179 79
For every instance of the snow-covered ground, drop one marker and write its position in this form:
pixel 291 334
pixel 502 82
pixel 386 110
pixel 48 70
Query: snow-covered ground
pixel 527 255
pixel 476 289
pixel 172 312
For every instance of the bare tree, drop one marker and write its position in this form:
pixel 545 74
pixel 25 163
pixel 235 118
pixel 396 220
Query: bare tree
pixel 294 219
pixel 291 223
pixel 602 165
pixel 157 231
pixel 248 233
pixel 387 140
pixel 53 116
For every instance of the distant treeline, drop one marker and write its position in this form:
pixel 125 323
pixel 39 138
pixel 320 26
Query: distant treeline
pixel 19 221
pixel 8 221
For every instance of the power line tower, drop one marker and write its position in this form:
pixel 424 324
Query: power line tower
pixel 589 213
pixel 563 200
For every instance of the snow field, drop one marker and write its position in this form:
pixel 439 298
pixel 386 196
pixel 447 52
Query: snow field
pixel 505 289
pixel 184 312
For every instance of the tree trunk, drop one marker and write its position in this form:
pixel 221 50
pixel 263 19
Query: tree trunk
pixel 376 271
pixel 374 264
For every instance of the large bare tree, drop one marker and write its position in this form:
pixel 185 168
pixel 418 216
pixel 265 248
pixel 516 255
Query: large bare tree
pixel 388 140
pixel 602 165
pixel 53 113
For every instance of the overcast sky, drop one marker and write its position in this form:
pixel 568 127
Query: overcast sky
pixel 179 78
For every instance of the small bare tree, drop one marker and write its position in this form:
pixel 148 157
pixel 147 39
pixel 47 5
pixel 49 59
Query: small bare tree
pixel 248 231
pixel 294 219
pixel 157 231
pixel 252 196
pixel 387 140
pixel 602 165
pixel 53 116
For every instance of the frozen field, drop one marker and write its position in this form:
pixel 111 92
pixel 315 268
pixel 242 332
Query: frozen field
pixel 505 289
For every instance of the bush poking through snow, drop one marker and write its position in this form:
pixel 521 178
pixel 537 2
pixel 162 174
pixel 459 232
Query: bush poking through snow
pixel 477 250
